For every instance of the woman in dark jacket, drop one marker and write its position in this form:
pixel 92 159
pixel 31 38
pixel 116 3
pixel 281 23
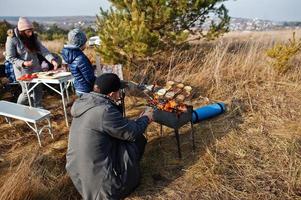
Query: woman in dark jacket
pixel 104 148
pixel 79 65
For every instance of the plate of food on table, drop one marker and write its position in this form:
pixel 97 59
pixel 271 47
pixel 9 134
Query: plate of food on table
pixel 53 74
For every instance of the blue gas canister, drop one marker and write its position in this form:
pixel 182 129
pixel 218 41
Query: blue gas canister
pixel 208 111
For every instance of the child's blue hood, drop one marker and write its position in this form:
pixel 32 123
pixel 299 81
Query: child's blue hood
pixel 70 52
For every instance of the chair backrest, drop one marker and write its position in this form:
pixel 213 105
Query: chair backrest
pixel 116 69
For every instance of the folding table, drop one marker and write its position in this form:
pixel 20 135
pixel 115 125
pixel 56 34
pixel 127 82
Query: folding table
pixel 64 82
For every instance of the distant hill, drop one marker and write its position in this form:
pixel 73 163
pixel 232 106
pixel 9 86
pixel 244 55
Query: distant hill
pixel 236 24
pixel 65 22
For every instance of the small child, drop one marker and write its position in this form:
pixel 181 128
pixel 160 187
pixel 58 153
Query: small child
pixel 79 65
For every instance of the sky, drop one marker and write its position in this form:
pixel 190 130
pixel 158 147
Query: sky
pixel 276 10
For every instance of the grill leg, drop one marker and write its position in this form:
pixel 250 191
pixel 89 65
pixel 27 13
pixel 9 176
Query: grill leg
pixel 178 143
pixel 161 130
pixel 161 134
pixel 192 136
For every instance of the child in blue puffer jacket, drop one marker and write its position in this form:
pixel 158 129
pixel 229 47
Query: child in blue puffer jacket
pixel 79 65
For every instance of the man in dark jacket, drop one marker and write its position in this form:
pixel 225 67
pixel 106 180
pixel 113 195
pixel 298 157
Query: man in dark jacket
pixel 79 65
pixel 105 148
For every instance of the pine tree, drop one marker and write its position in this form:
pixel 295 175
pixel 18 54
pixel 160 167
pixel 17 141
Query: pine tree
pixel 39 28
pixel 133 30
pixel 4 26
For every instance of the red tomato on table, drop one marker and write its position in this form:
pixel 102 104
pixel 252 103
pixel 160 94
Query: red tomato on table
pixel 27 76
pixel 34 76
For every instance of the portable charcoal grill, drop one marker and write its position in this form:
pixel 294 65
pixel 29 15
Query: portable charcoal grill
pixel 175 121
pixel 171 119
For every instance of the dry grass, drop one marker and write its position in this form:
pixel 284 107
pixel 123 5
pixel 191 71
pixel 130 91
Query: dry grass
pixel 56 46
pixel 251 152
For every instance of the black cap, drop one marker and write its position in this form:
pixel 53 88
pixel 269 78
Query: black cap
pixel 109 82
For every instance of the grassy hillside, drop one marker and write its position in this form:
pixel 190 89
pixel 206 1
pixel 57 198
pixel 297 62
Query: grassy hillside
pixel 253 151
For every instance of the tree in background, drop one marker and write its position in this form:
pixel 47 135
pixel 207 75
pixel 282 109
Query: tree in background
pixel 54 32
pixel 133 30
pixel 90 32
pixel 4 26
pixel 39 28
